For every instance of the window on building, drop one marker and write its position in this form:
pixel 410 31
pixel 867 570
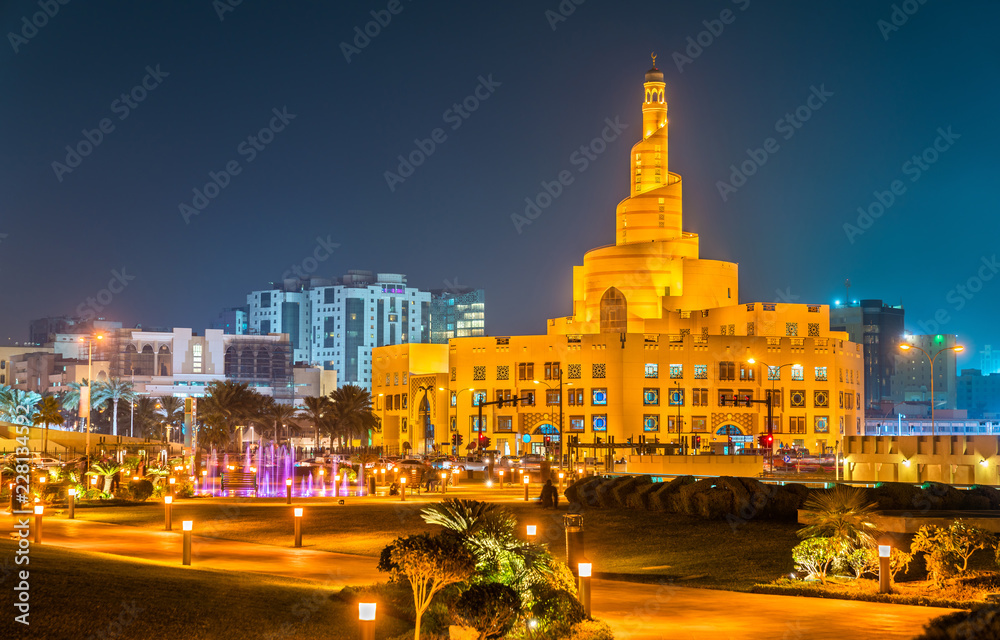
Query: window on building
pixel 527 398
pixel 821 399
pixel 577 423
pixel 821 374
pixel 775 424
pixel 652 370
pixel 526 371
pixel 196 351
pixel 746 372
pixel 821 424
pixel 474 423
pixel 650 423
pixel 454 398
pixel 676 397
pixel 599 422
pixel 797 398
pixel 701 372
pixel 551 370
pixel 598 397
pixel 676 371
pixel 724 396
pixel 699 424
pixel 727 371
pixel 699 397
pixel 773 373
pixel 552 396
pixel 796 424
pixel 404 397
pixel 505 423
pixel 651 397
pixel 798 373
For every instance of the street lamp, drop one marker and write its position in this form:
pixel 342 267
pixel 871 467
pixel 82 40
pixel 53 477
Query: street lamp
pixel 85 407
pixel 568 384
pixel 770 399
pixel 957 349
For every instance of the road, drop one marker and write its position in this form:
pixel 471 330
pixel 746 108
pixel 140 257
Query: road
pixel 635 611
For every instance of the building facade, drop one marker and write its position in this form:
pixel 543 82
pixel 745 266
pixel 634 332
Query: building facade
pixel 457 314
pixel 979 394
pixel 878 327
pixel 989 360
pixel 656 347
pixel 233 321
pixel 912 380
pixel 335 324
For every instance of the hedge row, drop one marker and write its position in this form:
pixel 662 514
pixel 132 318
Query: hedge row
pixel 746 498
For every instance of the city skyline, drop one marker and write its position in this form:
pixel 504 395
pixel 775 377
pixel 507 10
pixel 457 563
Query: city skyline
pixel 748 89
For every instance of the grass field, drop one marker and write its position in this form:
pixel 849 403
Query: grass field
pixel 696 552
pixel 94 596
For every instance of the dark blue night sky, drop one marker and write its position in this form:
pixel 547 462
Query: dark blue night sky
pixel 888 94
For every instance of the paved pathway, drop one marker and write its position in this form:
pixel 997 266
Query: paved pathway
pixel 635 611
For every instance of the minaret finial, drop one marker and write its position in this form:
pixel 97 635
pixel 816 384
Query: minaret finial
pixel 653 56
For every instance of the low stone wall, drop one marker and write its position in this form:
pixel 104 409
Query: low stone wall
pixel 72 442
pixel 699 465
pixel 962 460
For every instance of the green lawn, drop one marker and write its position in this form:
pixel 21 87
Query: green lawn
pixel 89 595
pixel 696 552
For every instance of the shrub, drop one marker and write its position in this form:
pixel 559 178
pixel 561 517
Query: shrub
pixel 981 622
pixel 897 496
pixel 685 497
pixel 939 557
pixel 814 556
pixel 591 630
pixel 556 611
pixel 712 504
pixel 491 608
pixel 640 498
pixel 140 490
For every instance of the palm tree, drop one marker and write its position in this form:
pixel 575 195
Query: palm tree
pixel 147 417
pixel 114 389
pixel 226 406
pixel 48 413
pixel 275 415
pixel 107 470
pixel 351 416
pixel 18 406
pixel 172 410
pixel 843 514
pixel 71 398
pixel 317 412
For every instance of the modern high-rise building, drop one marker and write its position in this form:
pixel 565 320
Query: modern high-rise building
pixel 912 380
pixel 655 347
pixel 979 393
pixel 989 361
pixel 232 321
pixel 878 327
pixel 457 313
pixel 336 323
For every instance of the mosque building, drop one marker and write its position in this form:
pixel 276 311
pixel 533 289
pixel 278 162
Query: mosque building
pixel 656 346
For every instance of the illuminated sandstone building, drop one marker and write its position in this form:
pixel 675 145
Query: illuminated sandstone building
pixel 655 342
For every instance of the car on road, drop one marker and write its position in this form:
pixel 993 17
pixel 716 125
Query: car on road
pixel 510 462
pixel 45 463
pixel 532 462
pixel 470 464
pixel 406 466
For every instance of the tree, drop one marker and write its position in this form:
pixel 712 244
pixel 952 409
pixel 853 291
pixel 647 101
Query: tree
pixel 172 411
pixel 105 470
pixel 48 414
pixel 966 540
pixel 278 417
pixel 148 419
pixel 317 411
pixel 429 564
pixel 815 555
pixel 490 608
pixel 351 416
pixel 843 514
pixel 71 398
pixel 226 406
pixel 114 390
pixel 18 406
pixel 939 555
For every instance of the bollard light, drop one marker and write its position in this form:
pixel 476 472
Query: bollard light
pixel 43 479
pixel 583 591
pixel 288 491
pixel 298 526
pixel 527 481
pixel 39 510
pixel 187 526
pixel 532 530
pixel 366 619
pixel 93 480
pixel 204 472
pixel 135 478
pixel 402 489
pixel 72 504
pixel 884 569
pixel 501 478
pixel 561 476
pixel 168 521
pixel 444 482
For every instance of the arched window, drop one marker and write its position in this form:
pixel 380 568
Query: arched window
pixel 614 312
pixel 647 96
pixel 246 364
pixel 230 362
pixel 263 363
pixel 278 364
